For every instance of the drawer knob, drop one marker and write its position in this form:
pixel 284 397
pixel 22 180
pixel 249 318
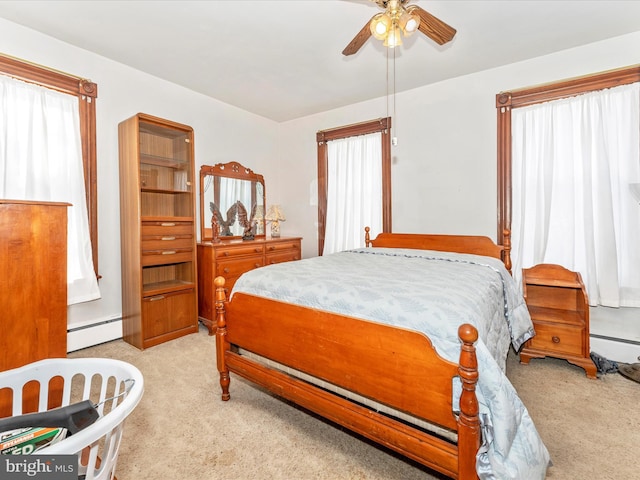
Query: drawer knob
pixel 156 297
pixel 257 250
pixel 168 238
pixel 225 270
pixel 168 252
pixel 555 339
pixel 226 254
pixel 167 224
pixel 257 265
pixel 272 248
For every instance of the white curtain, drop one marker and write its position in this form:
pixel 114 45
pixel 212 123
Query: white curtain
pixel 354 191
pixel 41 159
pixel 573 164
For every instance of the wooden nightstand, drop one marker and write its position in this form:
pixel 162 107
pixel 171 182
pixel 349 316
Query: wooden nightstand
pixel 558 305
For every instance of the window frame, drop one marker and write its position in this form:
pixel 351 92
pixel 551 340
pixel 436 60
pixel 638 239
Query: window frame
pixel 382 125
pixel 506 101
pixel 87 92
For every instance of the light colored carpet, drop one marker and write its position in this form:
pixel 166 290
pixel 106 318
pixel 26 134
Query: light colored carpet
pixel 181 428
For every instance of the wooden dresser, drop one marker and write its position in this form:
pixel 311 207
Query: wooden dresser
pixel 33 287
pixel 231 259
pixel 557 301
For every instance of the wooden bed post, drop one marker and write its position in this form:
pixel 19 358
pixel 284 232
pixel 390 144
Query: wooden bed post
pixel 469 421
pixel 506 243
pixel 221 337
pixel 367 237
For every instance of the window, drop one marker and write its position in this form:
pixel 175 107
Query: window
pixel 86 92
pixel 42 158
pixel 564 172
pixel 373 129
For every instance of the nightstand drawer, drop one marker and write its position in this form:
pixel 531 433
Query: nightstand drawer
pixel 561 339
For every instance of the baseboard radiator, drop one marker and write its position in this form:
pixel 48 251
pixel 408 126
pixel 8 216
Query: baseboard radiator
pixel 94 334
pixel 616 349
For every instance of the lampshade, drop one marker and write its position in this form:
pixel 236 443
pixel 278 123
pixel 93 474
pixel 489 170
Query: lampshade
pixel 394 39
pixel 275 214
pixel 380 26
pixel 409 22
pixel 258 216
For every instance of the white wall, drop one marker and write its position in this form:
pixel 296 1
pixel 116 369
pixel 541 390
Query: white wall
pixel 222 133
pixel 444 166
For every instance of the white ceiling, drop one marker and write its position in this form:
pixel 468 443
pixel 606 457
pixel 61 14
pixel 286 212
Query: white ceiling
pixel 282 59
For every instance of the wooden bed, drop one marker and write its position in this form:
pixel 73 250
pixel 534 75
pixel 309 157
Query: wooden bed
pixel 396 367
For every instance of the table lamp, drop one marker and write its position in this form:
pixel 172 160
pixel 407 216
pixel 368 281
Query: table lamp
pixel 275 216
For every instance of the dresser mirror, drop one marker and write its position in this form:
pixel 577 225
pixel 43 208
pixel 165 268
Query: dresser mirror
pixel 232 200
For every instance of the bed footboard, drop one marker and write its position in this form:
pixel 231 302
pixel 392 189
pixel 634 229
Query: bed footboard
pixel 398 368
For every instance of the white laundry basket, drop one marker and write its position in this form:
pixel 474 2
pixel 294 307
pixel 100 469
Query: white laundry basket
pixel 113 386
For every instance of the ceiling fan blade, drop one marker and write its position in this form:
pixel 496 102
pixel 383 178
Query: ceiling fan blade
pixel 357 42
pixel 433 27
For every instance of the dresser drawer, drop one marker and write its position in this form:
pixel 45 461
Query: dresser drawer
pixel 238 266
pixel 153 228
pixel 166 242
pixel 163 257
pixel 562 339
pixel 238 251
pixel 283 256
pixel 282 246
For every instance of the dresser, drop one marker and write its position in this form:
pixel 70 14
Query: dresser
pixel 557 301
pixel 230 259
pixel 33 288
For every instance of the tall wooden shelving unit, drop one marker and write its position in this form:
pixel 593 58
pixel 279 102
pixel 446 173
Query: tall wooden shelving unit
pixel 157 223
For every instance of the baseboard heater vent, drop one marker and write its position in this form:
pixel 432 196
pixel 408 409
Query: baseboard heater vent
pixel 85 336
pixel 615 339
pixel 621 350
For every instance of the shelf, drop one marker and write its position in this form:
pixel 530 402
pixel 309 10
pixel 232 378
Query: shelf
pixel 168 286
pixel 162 190
pixel 552 282
pixel 556 315
pixel 169 220
pixel 159 161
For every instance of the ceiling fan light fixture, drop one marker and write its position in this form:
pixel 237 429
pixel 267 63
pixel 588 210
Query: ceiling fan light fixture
pixel 409 22
pixel 380 26
pixel 394 39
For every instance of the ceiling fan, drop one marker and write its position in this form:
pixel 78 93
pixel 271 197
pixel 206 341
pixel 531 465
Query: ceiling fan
pixel 396 19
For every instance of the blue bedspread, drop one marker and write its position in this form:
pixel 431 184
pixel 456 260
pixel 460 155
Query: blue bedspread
pixel 432 292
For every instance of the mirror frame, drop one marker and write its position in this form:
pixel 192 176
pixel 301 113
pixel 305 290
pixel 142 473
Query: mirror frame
pixel 227 170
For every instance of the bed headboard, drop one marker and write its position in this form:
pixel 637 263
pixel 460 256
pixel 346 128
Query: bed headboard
pixel 473 244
